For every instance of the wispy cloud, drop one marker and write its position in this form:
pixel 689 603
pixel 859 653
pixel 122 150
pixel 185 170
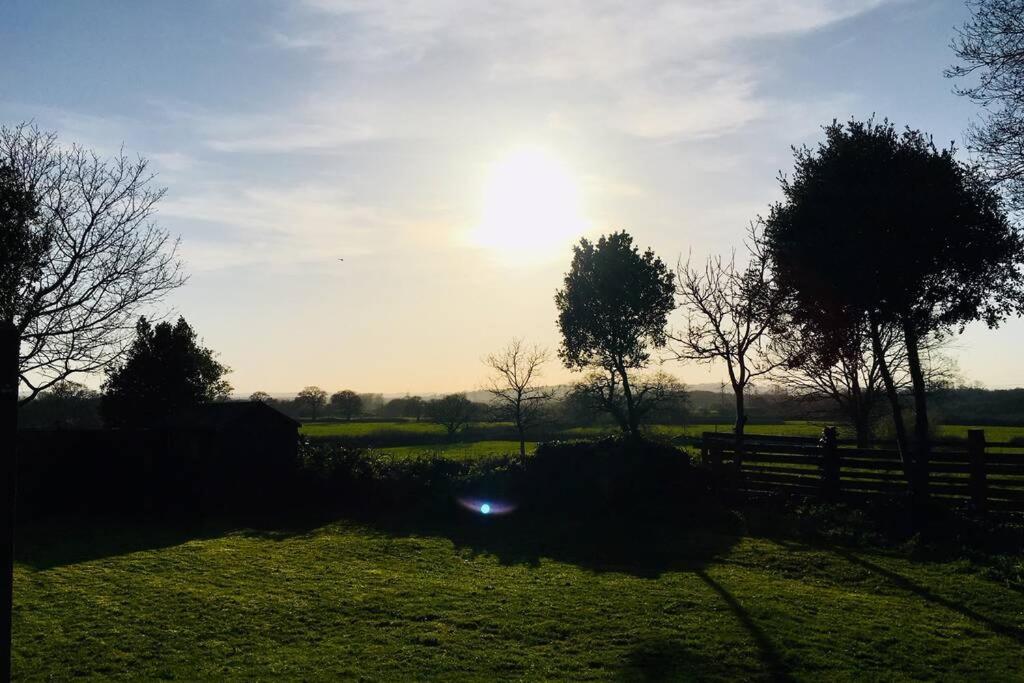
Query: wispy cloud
pixel 649 69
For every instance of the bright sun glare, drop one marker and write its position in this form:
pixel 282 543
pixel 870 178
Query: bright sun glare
pixel 531 207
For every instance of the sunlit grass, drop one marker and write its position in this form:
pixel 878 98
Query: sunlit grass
pixel 345 601
pixel 459 451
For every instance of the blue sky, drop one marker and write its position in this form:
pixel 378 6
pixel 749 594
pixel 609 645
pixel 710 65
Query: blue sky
pixel 291 134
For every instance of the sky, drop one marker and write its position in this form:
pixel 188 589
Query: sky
pixel 451 152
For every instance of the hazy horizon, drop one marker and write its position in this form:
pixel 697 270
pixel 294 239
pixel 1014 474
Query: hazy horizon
pixel 441 152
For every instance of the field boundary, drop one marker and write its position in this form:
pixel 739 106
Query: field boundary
pixel 984 475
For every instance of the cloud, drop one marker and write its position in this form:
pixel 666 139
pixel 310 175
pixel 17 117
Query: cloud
pixel 261 224
pixel 661 70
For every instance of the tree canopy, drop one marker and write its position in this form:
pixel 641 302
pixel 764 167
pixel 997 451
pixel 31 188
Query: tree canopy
pixel 165 371
pixel 613 308
pixel 884 227
pixel 347 403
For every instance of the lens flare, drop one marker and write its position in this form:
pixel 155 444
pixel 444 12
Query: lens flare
pixel 486 507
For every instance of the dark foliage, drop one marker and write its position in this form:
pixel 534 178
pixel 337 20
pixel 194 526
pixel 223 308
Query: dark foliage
pixel 346 403
pixel 612 309
pixel 453 412
pixel 22 247
pixel 613 477
pixel 165 372
pixel 65 405
pixel 884 227
pixel 310 401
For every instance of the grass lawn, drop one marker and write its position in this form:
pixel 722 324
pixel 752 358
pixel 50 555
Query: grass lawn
pixel 790 428
pixel 459 451
pixel 347 601
pixel 358 428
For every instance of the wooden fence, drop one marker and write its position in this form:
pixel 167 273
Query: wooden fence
pixel 974 472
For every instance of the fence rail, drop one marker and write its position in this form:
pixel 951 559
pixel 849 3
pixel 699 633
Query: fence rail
pixel 961 472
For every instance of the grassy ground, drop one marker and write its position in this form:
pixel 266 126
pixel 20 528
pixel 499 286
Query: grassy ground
pixel 459 450
pixel 348 601
pixel 791 428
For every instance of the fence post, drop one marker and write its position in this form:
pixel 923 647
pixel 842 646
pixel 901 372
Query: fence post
pixel 829 463
pixel 976 456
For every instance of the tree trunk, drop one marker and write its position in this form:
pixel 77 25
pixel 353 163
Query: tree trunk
pixel 522 439
pixel 862 426
pixel 922 440
pixel 741 414
pixel 894 403
pixel 10 347
pixel 634 428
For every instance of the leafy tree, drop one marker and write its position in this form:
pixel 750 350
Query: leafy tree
pixel 730 313
pixel 612 309
pixel 991 47
pixel 260 397
pixel 884 227
pixel 312 399
pixel 513 386
pixel 407 406
pixel 453 411
pixel 164 372
pixel 347 403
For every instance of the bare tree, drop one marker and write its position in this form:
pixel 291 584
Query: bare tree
pixel 104 259
pixel 312 398
pixel 516 397
pixel 87 258
pixel 991 47
pixel 853 377
pixel 730 314
pixel 602 391
pixel 454 412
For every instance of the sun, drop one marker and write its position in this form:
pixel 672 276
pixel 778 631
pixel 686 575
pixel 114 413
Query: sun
pixel 532 208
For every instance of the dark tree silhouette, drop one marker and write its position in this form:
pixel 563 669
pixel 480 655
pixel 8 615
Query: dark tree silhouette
pixel 22 250
pixel 75 269
pixel 730 312
pixel 885 227
pixel 92 260
pixel 655 393
pixel 347 403
pixel 991 47
pixel 453 412
pixel 407 406
pixel 261 397
pixel 847 372
pixel 513 386
pixel 165 372
pixel 613 308
pixel 311 398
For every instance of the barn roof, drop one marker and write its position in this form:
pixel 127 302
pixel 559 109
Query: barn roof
pixel 223 415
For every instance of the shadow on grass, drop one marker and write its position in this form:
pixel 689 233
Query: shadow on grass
pixel 607 543
pixel 671 659
pixel 769 654
pixel 903 583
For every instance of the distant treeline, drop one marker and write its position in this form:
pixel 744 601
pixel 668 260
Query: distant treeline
pixel 78 407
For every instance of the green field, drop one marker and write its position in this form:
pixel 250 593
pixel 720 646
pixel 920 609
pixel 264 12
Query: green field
pixel 348 601
pixel 416 430
pixel 459 450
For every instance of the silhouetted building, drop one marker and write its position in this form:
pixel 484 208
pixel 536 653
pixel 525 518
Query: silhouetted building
pixel 216 457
